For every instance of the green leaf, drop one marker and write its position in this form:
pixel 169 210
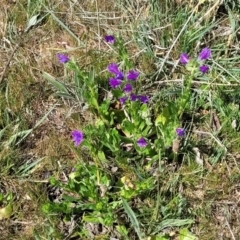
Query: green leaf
pixel 172 223
pixel 163 117
pixel 33 21
pixel 6 212
pixel 132 217
pixel 122 230
pixel 186 235
pixel 64 95
pixel 127 127
pixel 56 208
pixel 161 238
pixel 80 43
pixel 101 156
pixel 27 169
pixel 156 238
pixel 117 93
pixel 93 219
pixel 59 86
pixel 91 77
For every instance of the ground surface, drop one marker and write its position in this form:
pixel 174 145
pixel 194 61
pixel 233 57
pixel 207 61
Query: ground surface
pixel 209 194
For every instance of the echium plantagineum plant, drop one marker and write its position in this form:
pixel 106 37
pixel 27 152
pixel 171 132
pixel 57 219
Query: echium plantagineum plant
pixel 198 65
pixel 119 135
pixel 169 121
pixel 195 67
pixel 133 118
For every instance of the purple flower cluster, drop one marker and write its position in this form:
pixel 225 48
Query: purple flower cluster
pixel 204 55
pixel 119 75
pixel 117 81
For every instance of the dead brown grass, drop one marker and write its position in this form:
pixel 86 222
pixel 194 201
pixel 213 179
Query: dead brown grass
pixel 29 98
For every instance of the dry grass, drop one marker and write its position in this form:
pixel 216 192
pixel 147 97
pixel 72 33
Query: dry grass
pixel 77 29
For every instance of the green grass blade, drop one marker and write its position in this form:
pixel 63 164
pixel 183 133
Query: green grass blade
pixel 27 169
pixel 80 43
pixel 44 117
pixel 172 223
pixel 59 86
pixel 2 132
pixel 132 217
pixel 21 134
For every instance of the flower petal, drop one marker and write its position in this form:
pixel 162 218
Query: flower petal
pixel 123 100
pixel 113 68
pixel 132 75
pixel 77 137
pixel 143 99
pixel 180 132
pixel 204 68
pixel 205 54
pixel 62 58
pixel 127 88
pixel 184 58
pixel 120 75
pixel 141 142
pixel 133 97
pixel 114 83
pixel 109 39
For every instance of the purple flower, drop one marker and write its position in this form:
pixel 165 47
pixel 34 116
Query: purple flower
pixel 127 88
pixel 132 75
pixel 123 100
pixel 204 68
pixel 114 83
pixel 120 75
pixel 133 97
pixel 77 137
pixel 184 58
pixel 143 99
pixel 205 54
pixel 109 39
pixel 113 68
pixel 141 142
pixel 180 132
pixel 62 58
